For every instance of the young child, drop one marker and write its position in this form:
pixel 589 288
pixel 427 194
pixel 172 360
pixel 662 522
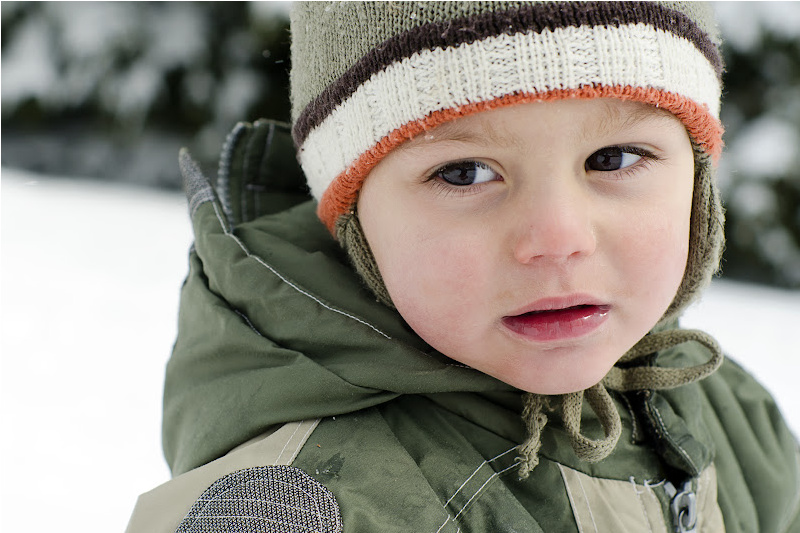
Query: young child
pixel 517 202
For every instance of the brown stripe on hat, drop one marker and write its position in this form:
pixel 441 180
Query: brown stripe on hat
pixel 530 18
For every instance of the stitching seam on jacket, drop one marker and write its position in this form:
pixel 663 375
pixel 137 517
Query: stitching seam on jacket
pixel 223 173
pixel 303 440
pixel 639 499
pixel 247 321
pixel 569 495
pixel 446 520
pixel 292 285
pixel 491 478
pixel 588 505
pixel 296 429
pixel 487 461
pixel 636 431
pixel 677 446
pixel 475 494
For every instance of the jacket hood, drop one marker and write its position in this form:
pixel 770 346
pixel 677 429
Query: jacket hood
pixel 273 324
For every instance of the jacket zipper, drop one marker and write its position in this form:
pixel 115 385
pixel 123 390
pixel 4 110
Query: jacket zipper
pixel 683 506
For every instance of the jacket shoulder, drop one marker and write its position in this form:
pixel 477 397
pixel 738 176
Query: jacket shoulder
pixel 259 470
pixel 757 455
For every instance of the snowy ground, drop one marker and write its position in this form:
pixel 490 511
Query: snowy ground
pixel 90 280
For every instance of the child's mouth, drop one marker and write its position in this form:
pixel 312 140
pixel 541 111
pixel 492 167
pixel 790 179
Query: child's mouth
pixel 557 324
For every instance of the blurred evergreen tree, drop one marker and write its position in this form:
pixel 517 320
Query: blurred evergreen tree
pixel 760 171
pixel 99 88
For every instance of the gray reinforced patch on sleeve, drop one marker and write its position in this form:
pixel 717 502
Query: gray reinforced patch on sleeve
pixel 275 499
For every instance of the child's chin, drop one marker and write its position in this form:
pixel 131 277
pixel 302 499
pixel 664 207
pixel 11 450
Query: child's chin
pixel 551 388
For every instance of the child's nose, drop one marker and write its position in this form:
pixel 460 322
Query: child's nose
pixel 555 222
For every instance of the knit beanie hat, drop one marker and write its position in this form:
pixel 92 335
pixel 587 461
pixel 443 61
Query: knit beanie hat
pixel 368 76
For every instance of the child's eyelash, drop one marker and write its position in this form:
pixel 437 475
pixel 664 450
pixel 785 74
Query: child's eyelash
pixel 446 190
pixel 648 158
pixel 632 171
pixel 645 154
pixel 481 172
pixel 638 151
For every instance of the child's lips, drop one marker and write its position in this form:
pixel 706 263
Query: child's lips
pixel 558 323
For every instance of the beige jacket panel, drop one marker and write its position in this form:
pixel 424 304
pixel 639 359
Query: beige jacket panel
pixel 601 505
pixel 162 509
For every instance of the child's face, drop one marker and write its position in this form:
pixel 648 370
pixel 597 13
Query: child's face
pixel 536 243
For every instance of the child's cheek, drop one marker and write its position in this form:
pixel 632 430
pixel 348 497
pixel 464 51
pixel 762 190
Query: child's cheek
pixel 440 272
pixel 439 288
pixel 655 254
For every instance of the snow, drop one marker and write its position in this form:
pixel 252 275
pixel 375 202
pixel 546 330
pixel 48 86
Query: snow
pixel 90 281
pixel 89 292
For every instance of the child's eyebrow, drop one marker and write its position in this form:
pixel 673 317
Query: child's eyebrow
pixel 616 119
pixel 456 131
pixel 611 120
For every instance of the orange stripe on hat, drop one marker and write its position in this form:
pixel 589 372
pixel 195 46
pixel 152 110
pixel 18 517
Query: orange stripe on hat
pixel 342 194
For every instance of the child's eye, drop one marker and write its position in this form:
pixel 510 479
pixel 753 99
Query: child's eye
pixel 465 173
pixel 614 158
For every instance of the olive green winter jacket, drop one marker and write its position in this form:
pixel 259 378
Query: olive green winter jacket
pixel 341 419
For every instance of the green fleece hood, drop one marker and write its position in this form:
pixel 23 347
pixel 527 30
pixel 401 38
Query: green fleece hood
pixel 264 338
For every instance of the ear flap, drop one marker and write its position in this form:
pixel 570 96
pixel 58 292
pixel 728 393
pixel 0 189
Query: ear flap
pixel 706 236
pixel 351 237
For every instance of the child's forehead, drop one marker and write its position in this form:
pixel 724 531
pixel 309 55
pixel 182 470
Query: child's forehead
pixel 587 117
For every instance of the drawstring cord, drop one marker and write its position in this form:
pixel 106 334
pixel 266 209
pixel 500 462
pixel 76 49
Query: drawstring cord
pixel 599 399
